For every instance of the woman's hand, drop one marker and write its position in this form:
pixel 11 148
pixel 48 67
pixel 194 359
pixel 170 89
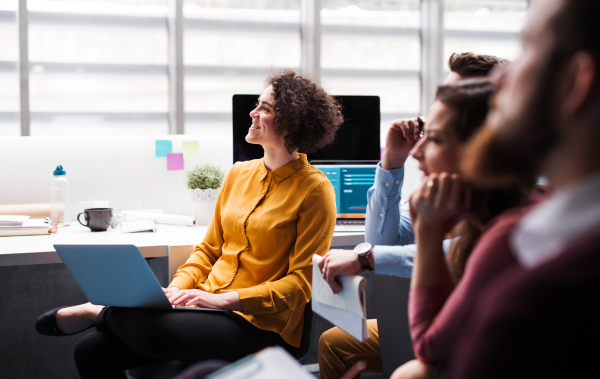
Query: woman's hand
pixel 436 207
pixel 171 290
pixel 440 203
pixel 401 137
pixel 227 301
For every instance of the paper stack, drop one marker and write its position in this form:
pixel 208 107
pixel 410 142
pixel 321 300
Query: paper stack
pixel 270 363
pixel 23 226
pixel 11 220
pixel 347 309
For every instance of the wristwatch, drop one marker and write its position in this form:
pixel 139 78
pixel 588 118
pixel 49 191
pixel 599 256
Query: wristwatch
pixel 364 250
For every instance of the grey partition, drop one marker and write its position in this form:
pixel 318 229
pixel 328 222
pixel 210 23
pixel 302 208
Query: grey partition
pixel 390 303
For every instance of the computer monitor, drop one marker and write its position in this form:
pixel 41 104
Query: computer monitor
pixel 351 183
pixel 356 140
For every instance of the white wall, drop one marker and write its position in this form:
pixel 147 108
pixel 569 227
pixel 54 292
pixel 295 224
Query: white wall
pixel 122 170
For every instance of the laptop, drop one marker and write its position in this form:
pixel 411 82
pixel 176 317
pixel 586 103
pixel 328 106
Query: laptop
pixel 116 275
pixel 351 183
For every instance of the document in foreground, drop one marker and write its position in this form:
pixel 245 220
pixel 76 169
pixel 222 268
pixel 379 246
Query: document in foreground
pixel 270 363
pixel 347 309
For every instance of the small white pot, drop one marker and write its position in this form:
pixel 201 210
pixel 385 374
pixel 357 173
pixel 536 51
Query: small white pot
pixel 203 204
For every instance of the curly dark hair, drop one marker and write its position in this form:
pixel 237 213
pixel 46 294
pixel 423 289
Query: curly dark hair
pixel 304 112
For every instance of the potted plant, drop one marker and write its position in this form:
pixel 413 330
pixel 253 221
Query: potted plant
pixel 204 182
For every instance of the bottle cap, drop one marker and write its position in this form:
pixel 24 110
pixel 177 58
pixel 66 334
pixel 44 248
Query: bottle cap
pixel 59 171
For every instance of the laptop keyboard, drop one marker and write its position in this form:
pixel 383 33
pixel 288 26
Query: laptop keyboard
pixel 350 222
pixel 345 225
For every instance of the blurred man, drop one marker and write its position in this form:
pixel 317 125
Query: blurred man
pixel 542 320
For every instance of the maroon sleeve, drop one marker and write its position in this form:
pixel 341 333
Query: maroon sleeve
pixel 424 304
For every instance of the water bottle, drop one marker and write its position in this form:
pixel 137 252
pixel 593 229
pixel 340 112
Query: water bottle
pixel 59 206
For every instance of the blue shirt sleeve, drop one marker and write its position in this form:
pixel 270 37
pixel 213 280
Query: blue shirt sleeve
pixel 387 223
pixel 398 260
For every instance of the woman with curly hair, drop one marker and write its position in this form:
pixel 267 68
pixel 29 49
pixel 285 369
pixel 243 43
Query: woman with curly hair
pixel 271 216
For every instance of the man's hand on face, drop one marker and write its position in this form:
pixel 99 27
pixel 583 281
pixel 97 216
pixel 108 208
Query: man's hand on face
pixel 401 137
pixel 339 262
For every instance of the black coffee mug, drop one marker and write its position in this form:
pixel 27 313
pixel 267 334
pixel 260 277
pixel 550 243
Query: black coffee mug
pixel 98 219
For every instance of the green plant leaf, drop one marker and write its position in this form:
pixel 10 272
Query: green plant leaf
pixel 205 176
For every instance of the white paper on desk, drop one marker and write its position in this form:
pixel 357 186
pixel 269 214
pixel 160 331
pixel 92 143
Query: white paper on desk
pixel 12 220
pixel 34 223
pixel 347 309
pixel 270 363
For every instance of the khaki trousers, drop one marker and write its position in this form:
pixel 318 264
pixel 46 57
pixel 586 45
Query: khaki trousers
pixel 338 351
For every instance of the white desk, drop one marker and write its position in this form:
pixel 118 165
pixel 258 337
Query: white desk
pixel 195 234
pixel 174 242
pixel 28 250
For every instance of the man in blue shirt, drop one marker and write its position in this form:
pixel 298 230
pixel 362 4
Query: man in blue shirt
pixel 388 229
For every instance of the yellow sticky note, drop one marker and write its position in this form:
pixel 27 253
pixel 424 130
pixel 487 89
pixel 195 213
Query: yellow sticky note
pixel 191 149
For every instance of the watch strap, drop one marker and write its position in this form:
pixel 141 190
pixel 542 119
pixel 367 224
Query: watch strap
pixel 363 259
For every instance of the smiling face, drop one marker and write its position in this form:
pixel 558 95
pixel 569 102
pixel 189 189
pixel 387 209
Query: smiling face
pixel 439 148
pixel 261 131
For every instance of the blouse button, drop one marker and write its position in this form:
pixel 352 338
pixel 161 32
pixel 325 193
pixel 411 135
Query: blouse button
pixel 387 184
pixel 397 182
pixel 381 215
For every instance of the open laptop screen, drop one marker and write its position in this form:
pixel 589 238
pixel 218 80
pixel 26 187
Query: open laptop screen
pixel 351 183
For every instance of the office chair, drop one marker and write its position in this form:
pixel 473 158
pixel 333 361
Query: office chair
pixel 169 369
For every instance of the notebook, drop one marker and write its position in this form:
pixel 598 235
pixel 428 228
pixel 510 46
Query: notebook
pixel 30 227
pixel 116 275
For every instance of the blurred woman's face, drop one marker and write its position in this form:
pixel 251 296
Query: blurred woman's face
pixel 261 131
pixel 439 149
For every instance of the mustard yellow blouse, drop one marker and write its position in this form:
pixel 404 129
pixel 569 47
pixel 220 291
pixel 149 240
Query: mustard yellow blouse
pixel 265 229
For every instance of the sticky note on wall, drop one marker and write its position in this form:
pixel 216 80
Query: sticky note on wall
pixel 191 149
pixel 174 162
pixel 163 147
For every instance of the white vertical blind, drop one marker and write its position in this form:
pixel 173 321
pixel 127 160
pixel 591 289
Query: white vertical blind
pixel 231 47
pixel 484 27
pixel 9 75
pixel 372 47
pixel 98 67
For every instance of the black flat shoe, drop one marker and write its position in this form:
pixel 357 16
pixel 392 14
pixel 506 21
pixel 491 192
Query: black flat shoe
pixel 46 324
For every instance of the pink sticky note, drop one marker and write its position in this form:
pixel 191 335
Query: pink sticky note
pixel 174 162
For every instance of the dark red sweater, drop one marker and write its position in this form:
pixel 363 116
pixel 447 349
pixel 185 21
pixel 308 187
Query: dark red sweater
pixel 436 319
pixel 541 323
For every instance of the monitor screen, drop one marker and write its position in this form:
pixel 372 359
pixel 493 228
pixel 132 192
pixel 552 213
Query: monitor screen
pixel 351 183
pixel 356 140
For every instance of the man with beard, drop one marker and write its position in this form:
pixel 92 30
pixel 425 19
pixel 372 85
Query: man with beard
pixel 540 319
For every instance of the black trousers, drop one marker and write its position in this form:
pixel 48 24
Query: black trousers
pixel 126 338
